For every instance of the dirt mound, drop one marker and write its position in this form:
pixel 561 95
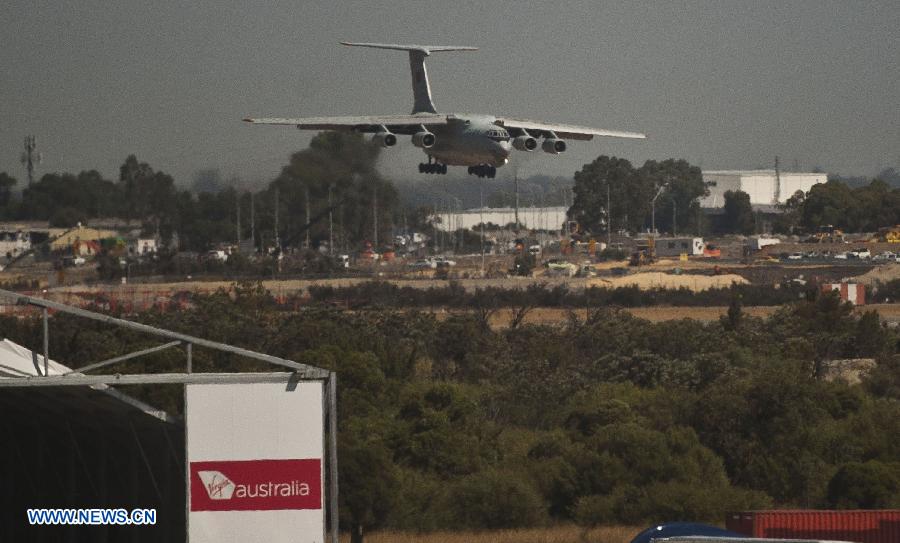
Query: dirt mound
pixel 650 280
pixel 879 274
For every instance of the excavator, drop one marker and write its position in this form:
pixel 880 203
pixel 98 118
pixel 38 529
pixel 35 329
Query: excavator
pixel 827 234
pixel 644 252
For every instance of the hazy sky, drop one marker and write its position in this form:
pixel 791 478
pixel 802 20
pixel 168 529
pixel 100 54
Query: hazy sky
pixel 725 85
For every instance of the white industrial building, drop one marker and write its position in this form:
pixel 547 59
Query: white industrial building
pixel 679 246
pixel 532 218
pixel 765 187
pixel 12 244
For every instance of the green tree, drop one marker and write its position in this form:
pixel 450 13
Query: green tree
pixel 68 198
pixel 827 203
pixel 148 194
pixel 495 499
pixel 869 485
pixel 367 483
pixel 683 189
pixel 629 195
pixel 631 192
pixel 6 187
pixel 738 212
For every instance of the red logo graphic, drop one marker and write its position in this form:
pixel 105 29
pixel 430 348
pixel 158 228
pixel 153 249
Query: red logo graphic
pixel 256 485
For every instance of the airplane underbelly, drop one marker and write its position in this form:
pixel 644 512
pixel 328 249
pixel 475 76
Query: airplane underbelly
pixel 460 155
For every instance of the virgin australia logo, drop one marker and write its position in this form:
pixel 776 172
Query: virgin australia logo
pixel 217 485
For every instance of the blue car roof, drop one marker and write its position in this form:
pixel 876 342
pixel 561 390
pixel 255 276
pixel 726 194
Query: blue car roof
pixel 672 529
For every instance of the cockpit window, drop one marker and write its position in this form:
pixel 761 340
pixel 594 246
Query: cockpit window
pixel 499 135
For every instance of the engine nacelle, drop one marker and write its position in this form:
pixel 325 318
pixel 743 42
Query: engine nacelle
pixel 424 139
pixel 525 143
pixel 385 139
pixel 553 146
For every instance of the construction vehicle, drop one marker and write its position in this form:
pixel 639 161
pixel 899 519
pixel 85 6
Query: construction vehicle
pixel 890 234
pixel 827 234
pixel 711 251
pixel 644 252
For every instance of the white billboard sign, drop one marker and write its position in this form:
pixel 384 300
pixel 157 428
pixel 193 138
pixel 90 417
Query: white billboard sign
pixel 255 462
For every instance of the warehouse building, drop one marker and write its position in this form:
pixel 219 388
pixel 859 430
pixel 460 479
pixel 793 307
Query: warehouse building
pixel 765 187
pixel 533 218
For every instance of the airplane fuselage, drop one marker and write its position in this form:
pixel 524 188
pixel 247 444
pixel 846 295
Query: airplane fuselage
pixel 470 140
pixel 481 142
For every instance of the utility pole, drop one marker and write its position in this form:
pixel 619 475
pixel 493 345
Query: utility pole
pixel 252 222
pixel 434 228
pixel 306 198
pixel 699 224
pixel 608 218
pixel 330 223
pixel 653 207
pixel 673 217
pixel 481 219
pixel 777 198
pixel 30 158
pixel 277 239
pixel 541 217
pixel 375 214
pixel 517 198
pixel 238 213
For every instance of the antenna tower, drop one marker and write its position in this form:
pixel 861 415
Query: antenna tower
pixel 30 158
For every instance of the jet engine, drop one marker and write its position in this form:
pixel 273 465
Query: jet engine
pixel 554 146
pixel 525 143
pixel 385 139
pixel 423 139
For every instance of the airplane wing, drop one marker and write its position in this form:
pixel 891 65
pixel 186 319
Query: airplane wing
pixel 398 124
pixel 564 131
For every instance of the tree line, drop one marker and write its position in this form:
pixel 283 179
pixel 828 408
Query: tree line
pixel 448 423
pixel 865 208
pixel 336 178
pixel 611 191
pixel 336 173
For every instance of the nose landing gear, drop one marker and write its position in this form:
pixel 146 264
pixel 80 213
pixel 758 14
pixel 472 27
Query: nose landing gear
pixel 483 170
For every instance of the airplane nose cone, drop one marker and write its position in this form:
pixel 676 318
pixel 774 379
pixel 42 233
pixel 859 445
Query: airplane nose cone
pixel 500 151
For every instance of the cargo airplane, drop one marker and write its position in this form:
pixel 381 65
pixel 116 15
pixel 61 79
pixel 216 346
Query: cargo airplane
pixel 481 142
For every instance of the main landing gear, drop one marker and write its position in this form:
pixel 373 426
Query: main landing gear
pixel 433 167
pixel 483 170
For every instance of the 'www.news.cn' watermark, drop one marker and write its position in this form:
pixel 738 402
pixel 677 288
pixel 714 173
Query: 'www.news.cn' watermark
pixel 92 517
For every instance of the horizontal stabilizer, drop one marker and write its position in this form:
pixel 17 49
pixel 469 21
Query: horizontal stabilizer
pixel 427 49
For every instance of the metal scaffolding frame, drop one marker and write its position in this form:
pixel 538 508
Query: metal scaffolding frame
pixel 77 377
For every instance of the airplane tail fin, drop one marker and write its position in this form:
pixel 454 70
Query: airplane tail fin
pixel 417 54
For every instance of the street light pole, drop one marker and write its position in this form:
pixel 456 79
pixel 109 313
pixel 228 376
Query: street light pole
pixel 608 219
pixel 481 220
pixel 673 217
pixel 653 207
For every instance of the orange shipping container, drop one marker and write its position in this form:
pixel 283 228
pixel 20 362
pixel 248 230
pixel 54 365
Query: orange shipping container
pixel 860 526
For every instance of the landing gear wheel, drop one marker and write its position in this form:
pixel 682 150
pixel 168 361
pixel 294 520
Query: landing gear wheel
pixel 433 167
pixel 483 170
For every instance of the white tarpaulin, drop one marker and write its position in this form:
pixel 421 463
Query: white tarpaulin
pixel 17 361
pixel 255 462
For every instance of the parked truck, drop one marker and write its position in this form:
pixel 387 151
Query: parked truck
pixel 860 526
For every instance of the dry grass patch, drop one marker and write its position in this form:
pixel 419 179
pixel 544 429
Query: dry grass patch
pixel 558 534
